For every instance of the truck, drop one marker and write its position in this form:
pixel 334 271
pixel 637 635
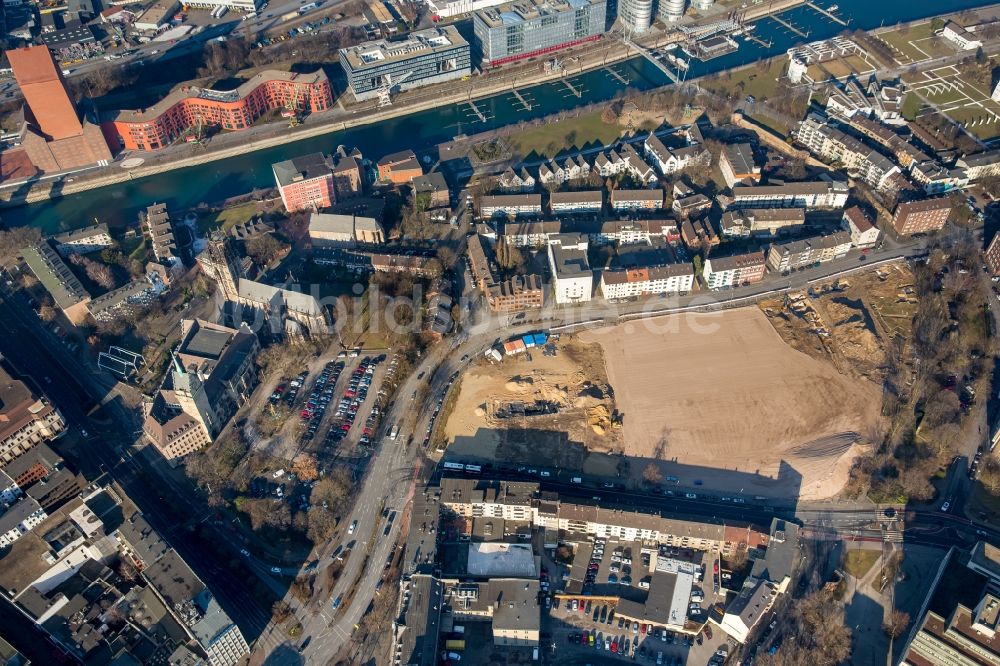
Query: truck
pixel 289 16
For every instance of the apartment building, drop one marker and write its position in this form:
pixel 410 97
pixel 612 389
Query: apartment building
pixel 628 282
pixel 66 290
pixel 916 217
pixel 793 255
pixel 82 241
pixel 609 164
pixel 518 294
pixel 808 195
pixel 19 519
pixel 188 109
pixel 630 232
pixel 746 222
pixel 510 206
pixel 305 182
pixel 992 255
pixel 636 165
pixel 348 172
pixel 835 145
pixel 637 200
pixel 431 190
pixel 881 100
pixel 530 234
pixel 159 231
pixel 980 165
pixel 671 160
pixel 421 58
pixel 516 182
pixel 123 301
pixel 26 420
pixel 734 271
pixel 698 234
pixel 864 233
pixel 691 206
pixel 399 168
pixel 574 203
pixel 572 278
pixel 737 165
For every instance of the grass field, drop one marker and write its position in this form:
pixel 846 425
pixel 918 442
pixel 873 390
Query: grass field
pixel 551 139
pixel 952 94
pixel 840 68
pixel 916 43
pixel 750 80
pixel 859 562
pixel 226 218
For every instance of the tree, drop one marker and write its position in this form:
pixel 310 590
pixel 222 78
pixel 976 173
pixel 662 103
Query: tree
pixel 280 611
pixel 14 240
pixel 651 473
pixel 47 313
pixel 304 466
pixel 896 623
pixel 263 248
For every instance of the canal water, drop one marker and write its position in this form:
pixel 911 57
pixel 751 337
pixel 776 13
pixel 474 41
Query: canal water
pixel 215 181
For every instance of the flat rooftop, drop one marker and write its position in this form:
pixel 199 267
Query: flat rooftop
pixel 568 263
pixel 383 51
pixel 522 11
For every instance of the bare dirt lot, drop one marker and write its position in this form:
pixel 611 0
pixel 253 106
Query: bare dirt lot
pixel 730 406
pixel 484 423
pixel 851 323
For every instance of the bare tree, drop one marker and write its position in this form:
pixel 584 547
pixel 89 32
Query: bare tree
pixel 651 473
pixel 896 623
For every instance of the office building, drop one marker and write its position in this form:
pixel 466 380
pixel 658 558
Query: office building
pixel 188 110
pixel 531 28
pixel 448 8
pixel 54 136
pixel 422 58
pixel 26 420
pixel 571 275
pixel 917 217
pixel 671 10
pixel 735 271
pixel 305 182
pixel 635 15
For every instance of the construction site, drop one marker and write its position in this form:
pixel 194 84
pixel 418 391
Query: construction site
pixel 548 407
pixel 851 322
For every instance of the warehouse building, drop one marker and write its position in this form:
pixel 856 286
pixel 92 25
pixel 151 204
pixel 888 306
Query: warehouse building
pixel 424 57
pixel 530 28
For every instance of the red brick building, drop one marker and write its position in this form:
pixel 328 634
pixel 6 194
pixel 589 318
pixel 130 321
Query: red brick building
pixel 55 135
pixel 399 168
pixel 189 107
pixel 305 182
pixel 993 255
pixel 915 217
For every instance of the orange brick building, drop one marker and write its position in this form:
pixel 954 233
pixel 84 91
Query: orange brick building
pixel 399 168
pixel 187 107
pixel 55 135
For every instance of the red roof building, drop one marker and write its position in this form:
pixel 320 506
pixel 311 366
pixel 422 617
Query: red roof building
pixel 188 107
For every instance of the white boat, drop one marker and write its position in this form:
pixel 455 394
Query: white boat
pixel 833 8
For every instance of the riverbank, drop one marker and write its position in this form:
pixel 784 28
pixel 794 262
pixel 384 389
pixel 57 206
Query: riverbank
pixel 240 143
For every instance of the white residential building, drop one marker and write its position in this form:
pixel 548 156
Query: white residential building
pixel 19 519
pixel 510 205
pixel 960 36
pixel 637 166
pixel 632 200
pixel 812 194
pixel 586 201
pixel 726 272
pixel 530 234
pixel 863 232
pixel 835 145
pixel 669 279
pixel 571 275
pixel 82 241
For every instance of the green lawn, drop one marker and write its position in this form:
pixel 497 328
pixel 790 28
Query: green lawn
pixel 911 106
pixel 761 83
pixel 226 218
pixel 573 133
pixel 916 43
pixel 859 562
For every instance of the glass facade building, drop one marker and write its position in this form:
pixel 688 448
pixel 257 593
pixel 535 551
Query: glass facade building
pixel 424 57
pixel 529 28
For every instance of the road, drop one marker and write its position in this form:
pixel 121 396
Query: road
pixel 390 478
pixel 74 388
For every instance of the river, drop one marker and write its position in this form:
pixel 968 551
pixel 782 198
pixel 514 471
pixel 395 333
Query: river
pixel 119 204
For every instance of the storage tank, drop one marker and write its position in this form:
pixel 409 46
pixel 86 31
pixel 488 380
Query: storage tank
pixel 672 10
